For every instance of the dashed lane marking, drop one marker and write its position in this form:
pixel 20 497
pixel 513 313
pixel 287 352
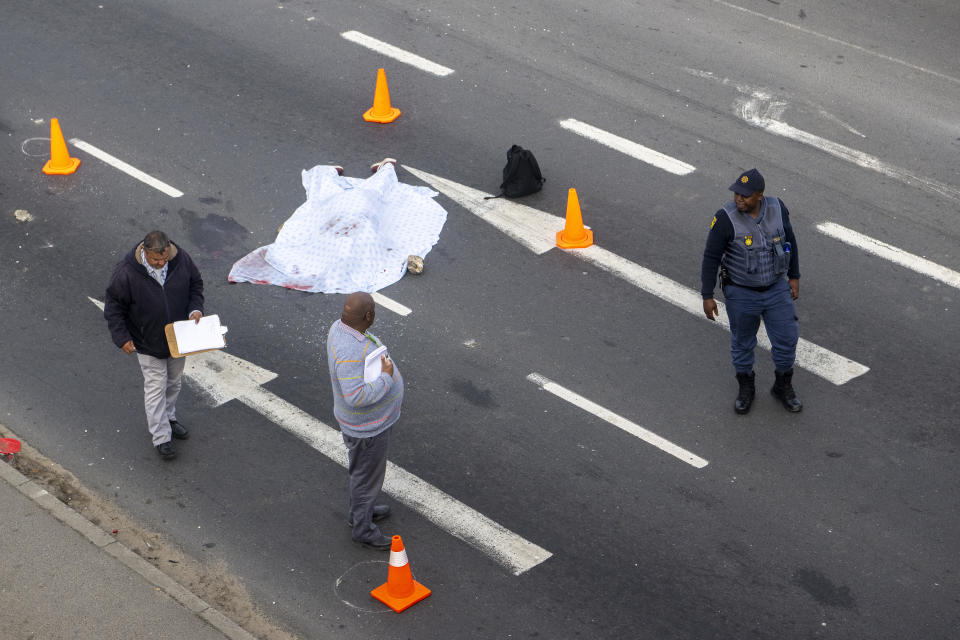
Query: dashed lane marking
pixel 130 170
pixel 891 253
pixel 537 230
pixel 393 305
pixel 396 53
pixel 618 421
pixel 628 147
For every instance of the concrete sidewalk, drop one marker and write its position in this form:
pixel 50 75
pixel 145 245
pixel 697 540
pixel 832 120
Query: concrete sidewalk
pixel 63 577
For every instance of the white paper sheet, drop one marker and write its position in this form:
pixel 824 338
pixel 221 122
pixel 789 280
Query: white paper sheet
pixel 197 336
pixel 372 366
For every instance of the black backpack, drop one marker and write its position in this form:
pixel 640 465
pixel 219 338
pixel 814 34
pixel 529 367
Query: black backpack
pixel 521 175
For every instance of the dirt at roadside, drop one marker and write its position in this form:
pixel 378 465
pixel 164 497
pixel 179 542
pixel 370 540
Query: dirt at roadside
pixel 211 582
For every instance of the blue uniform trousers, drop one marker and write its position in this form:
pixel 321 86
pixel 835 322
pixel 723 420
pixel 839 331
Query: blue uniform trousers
pixel 745 309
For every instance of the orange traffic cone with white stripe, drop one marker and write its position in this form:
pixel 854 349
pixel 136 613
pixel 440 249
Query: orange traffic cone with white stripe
pixel 574 235
pixel 60 162
pixel 400 591
pixel 381 111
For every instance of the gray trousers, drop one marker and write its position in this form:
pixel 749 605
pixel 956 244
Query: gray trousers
pixel 366 468
pixel 162 378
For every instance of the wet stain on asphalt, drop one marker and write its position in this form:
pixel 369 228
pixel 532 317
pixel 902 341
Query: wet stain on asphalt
pixel 228 205
pixel 823 590
pixel 213 234
pixel 474 395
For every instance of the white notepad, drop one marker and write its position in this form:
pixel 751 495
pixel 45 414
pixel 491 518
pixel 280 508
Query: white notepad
pixel 197 336
pixel 372 367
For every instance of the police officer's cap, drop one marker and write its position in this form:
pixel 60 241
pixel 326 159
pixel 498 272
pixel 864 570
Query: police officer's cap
pixel 748 183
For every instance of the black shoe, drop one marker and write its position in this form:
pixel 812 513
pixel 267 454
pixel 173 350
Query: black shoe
pixel 166 450
pixel 783 390
pixel 381 543
pixel 380 511
pixel 747 392
pixel 179 431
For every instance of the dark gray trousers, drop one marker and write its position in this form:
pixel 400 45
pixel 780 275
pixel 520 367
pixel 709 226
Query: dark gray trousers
pixel 366 468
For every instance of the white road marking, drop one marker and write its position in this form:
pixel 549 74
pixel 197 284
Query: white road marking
pixel 891 253
pixel 396 53
pixel 628 147
pixel 537 231
pixel 222 377
pixel 126 168
pixel 618 421
pixel 393 305
pixel 750 111
pixel 857 47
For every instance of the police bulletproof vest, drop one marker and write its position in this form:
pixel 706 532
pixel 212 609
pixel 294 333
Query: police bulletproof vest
pixel 759 255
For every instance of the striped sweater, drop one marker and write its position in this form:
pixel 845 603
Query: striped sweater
pixel 362 409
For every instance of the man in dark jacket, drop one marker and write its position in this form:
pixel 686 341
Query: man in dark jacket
pixel 155 284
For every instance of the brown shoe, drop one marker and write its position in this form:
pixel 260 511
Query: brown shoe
pixel 376 165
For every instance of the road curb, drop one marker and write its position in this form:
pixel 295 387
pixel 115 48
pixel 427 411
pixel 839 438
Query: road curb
pixel 102 540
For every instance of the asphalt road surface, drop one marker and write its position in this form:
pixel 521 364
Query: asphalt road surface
pixel 838 522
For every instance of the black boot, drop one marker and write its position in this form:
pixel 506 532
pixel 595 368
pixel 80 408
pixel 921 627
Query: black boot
pixel 783 389
pixel 747 391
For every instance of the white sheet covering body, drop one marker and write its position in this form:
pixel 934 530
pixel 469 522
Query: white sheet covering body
pixel 350 235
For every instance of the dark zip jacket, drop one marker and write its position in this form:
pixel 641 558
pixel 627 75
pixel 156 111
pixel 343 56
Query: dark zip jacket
pixel 137 307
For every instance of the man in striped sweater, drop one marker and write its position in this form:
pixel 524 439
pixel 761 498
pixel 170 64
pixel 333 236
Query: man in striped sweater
pixel 365 412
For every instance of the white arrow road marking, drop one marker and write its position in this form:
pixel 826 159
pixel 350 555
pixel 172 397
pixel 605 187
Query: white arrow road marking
pixel 537 231
pixel 396 53
pixel 117 163
pixel 616 420
pixel 222 377
pixel 891 253
pixel 628 147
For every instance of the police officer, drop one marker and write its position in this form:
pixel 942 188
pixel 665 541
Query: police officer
pixel 751 243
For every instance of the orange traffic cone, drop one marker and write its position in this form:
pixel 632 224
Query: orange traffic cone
pixel 381 110
pixel 60 162
pixel 574 236
pixel 400 591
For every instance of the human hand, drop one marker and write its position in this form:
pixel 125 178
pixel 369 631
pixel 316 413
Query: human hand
pixel 794 288
pixel 195 316
pixel 386 365
pixel 710 309
pixel 128 347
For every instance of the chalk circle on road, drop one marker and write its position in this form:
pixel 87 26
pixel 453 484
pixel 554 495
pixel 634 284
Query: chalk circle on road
pixel 31 143
pixel 358 581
